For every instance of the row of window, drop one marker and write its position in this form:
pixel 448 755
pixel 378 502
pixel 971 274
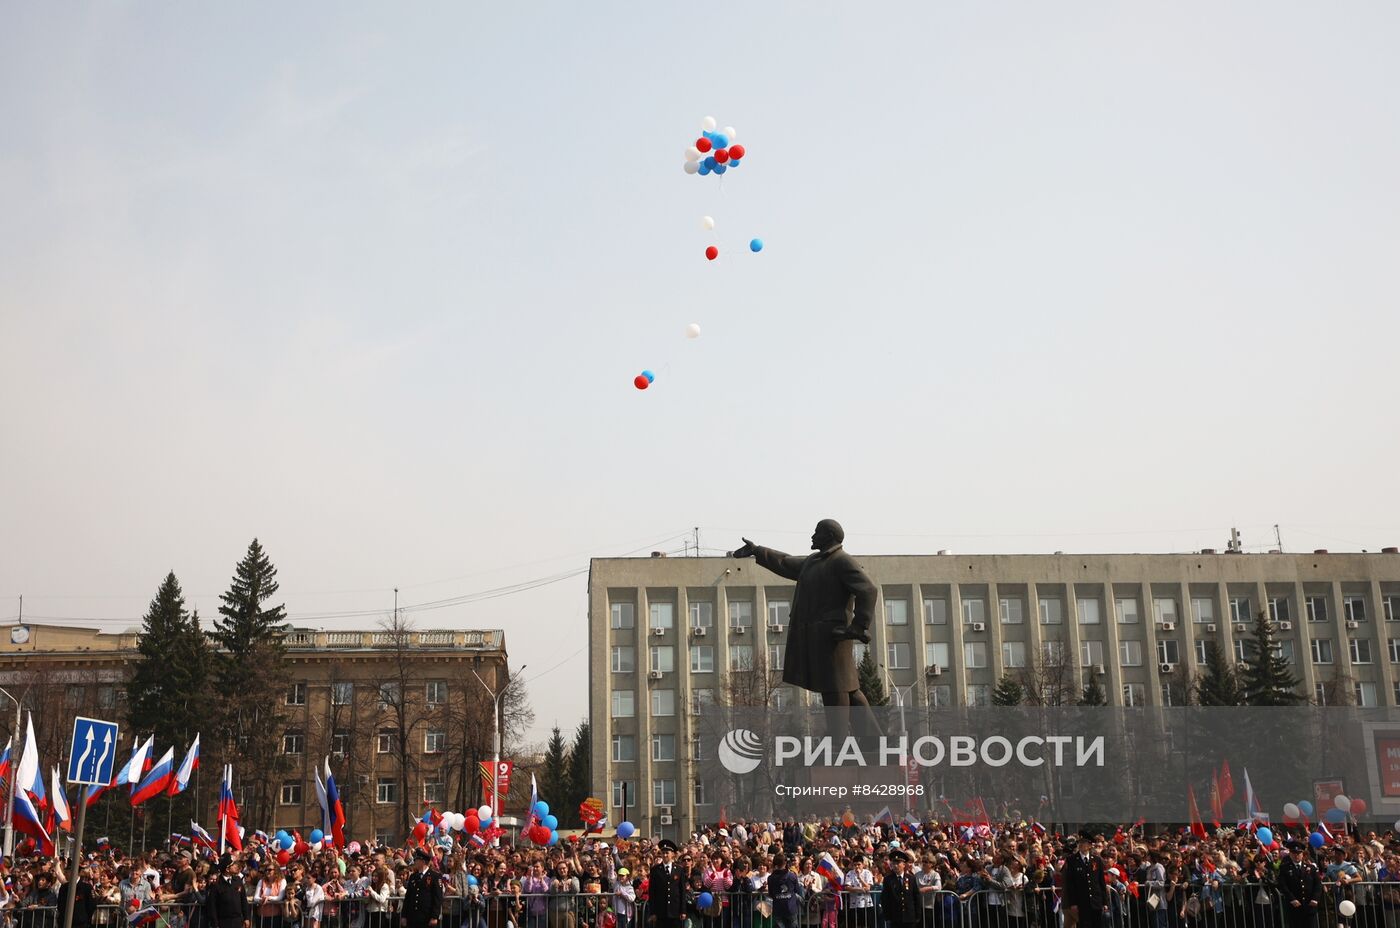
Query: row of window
pixel 343 693
pixel 434 742
pixel 386 791
pixel 663 793
pixel 1011 611
pixel 107 696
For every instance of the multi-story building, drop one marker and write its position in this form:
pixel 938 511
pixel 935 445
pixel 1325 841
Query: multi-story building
pixel 344 690
pixel 667 634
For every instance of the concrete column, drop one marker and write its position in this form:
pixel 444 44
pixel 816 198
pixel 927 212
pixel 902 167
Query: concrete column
pixel 685 724
pixel 1306 672
pixel 1385 692
pixel 1112 681
pixel 955 645
pixel 644 685
pixel 918 638
pixel 994 661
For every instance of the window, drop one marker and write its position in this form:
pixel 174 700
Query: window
pixel 1127 611
pixel 434 742
pixel 1088 611
pixel 1168 691
pixel 435 692
pixel 624 748
pixel 624 658
pixel 434 792
pixel 1321 651
pixel 1239 649
pixel 1013 654
pixel 663 792
pixel 1354 608
pixel 1164 609
pixel 936 611
pixel 702 658
pixel 291 793
pixel 624 615
pixel 775 656
pixel 1090 653
pixel 779 611
pixel 73 695
pixel 384 741
pixel 624 704
pixel 1394 646
pixel 342 694
pixel 974 609
pixel 1134 694
pixel 1284 649
pixel 663 702
pixel 700 798
pixel 897 611
pixel 1052 652
pixel 388 695
pixel 1320 693
pixel 291 742
pixel 1130 653
pixel 1365 694
pixel 897 654
pixel 1278 609
pixel 741 614
pixel 340 742
pixel 296 694
pixel 1051 611
pixel 663 658
pixel 106 696
pixel 975 654
pixel 940 696
pixel 1239 608
pixel 1390 608
pixel 663 615
pixel 977 694
pixel 697 749
pixel 702 614
pixel 782 697
pixel 1012 612
pixel 386 791
pixel 1316 608
pixel 936 654
pixel 1360 650
pixel 624 790
pixel 1168 651
pixel 1200 650
pixel 701 697
pixel 741 657
pixel 1202 610
pixel 663 747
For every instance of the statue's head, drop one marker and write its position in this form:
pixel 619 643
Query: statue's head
pixel 827 535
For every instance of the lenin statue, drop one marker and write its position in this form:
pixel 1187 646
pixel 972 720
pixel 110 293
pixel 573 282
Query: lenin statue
pixel 832 607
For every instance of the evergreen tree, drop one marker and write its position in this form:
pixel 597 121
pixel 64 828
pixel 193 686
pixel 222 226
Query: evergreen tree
pixel 244 623
pixel 870 683
pixel 1267 681
pixel 1217 684
pixel 554 778
pixel 1008 691
pixel 1093 694
pixel 578 774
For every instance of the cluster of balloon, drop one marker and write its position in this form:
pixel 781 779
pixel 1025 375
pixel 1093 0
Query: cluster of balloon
pixel 545 830
pixel 626 830
pixel 643 380
pixel 474 820
pixel 714 152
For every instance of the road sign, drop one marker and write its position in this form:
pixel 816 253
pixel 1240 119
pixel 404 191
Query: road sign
pixel 92 755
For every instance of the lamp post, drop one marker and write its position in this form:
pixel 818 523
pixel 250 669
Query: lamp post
pixel 904 734
pixel 496 736
pixel 10 799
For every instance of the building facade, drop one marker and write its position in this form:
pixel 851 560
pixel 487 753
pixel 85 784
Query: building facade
pixel 667 634
pixel 348 695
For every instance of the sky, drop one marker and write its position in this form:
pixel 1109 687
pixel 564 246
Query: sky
pixel 371 283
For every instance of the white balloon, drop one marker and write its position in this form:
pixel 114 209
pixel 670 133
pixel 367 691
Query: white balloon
pixel 1291 810
pixel 1347 908
pixel 692 167
pixel 1397 826
pixel 708 124
pixel 483 813
pixel 692 330
pixel 316 846
pixel 1343 803
pixel 692 154
pixel 729 133
pixel 708 222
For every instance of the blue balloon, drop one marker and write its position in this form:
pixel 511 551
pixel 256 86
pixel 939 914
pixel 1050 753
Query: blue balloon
pixel 734 162
pixel 710 163
pixel 541 808
pixel 547 818
pixel 287 843
pixel 317 835
pixel 1316 839
pixel 1334 816
pixel 471 880
pixel 626 830
pixel 704 169
pixel 1305 807
pixel 756 245
pixel 1265 836
pixel 704 900
pixel 721 168
pixel 720 140
pixel 550 821
pixel 553 839
pixel 708 134
pixel 280 835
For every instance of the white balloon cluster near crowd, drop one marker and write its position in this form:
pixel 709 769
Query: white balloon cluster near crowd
pixel 714 152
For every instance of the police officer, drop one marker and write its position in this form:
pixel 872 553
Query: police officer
pixel 666 888
pixel 899 896
pixel 226 903
pixel 1085 898
pixel 422 895
pixel 1300 887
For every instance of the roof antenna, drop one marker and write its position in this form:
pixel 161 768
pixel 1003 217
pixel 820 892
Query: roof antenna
pixel 1234 547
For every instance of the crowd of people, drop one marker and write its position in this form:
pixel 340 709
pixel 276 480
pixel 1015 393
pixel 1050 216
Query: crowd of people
pixel 814 874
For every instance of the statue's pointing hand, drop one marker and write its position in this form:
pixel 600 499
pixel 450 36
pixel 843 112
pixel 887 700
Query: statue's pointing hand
pixel 748 550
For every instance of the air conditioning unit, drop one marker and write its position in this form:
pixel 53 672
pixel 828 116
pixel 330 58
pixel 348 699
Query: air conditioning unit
pixel 1211 628
pixel 1242 666
pixel 654 675
pixel 1353 626
pixel 657 632
pixel 979 626
pixel 1285 626
pixel 738 629
pixel 699 631
pixel 933 670
pixel 1166 668
pixel 1168 626
pixel 1241 628
pixel 665 819
pixel 776 629
pixel 1098 670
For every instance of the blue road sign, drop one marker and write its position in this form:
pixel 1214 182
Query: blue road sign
pixel 92 756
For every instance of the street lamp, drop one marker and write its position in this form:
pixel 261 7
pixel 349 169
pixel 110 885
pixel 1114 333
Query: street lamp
pixel 904 733
pixel 496 736
pixel 10 799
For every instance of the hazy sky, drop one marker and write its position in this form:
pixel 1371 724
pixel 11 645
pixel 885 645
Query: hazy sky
pixel 371 282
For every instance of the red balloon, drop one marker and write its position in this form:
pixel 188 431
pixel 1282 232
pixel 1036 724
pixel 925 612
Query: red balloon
pixel 712 252
pixel 641 383
pixel 540 834
pixel 703 144
pixel 472 825
pixel 721 155
pixel 735 151
pixel 420 831
pixel 283 856
pixel 1358 807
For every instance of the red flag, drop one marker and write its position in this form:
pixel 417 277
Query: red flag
pixel 1227 785
pixel 1198 827
pixel 1216 803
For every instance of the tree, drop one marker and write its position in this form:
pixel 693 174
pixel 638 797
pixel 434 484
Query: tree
pixel 870 683
pixel 578 775
pixel 1050 680
pixel 1217 684
pixel 554 778
pixel 1267 681
pixel 1093 694
pixel 403 699
pixel 1008 691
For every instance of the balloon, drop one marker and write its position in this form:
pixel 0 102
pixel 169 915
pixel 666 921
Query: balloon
pixel 692 330
pixel 1265 836
pixel 704 900
pixel 539 836
pixel 288 842
pixel 1397 826
pixel 693 153
pixel 472 880
pixel 1305 807
pixel 284 857
pixel 1335 816
pixel 710 162
pixel 712 252
pixel 316 847
pixel 707 222
pixel 736 151
pixel 708 124
pixel 721 140
pixel 484 813
pixel 279 835
pixel 553 839
pixel 729 131
pixel 626 830
pixel 1290 810
pixel 733 161
pixel 541 807
pixel 473 824
pixel 640 382
pixel 1316 839
pixel 692 167
pixel 1342 803
pixel 1347 908
pixel 420 830
pixel 756 245
pixel 703 145
pixel 1358 807
pixel 722 155
pixel 550 821
pixel 651 378
pixel 704 169
pixel 317 835
pixel 721 168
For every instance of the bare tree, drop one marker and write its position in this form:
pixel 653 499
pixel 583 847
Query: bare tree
pixel 403 705
pixel 1050 679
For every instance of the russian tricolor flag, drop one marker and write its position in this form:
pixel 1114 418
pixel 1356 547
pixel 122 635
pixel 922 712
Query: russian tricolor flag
pixel 200 836
pixel 5 765
pixel 228 812
pixel 60 803
pixel 829 869
pixel 337 812
pixel 157 781
pixel 181 780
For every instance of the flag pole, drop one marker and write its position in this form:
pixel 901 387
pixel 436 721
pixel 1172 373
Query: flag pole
pixel 223 823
